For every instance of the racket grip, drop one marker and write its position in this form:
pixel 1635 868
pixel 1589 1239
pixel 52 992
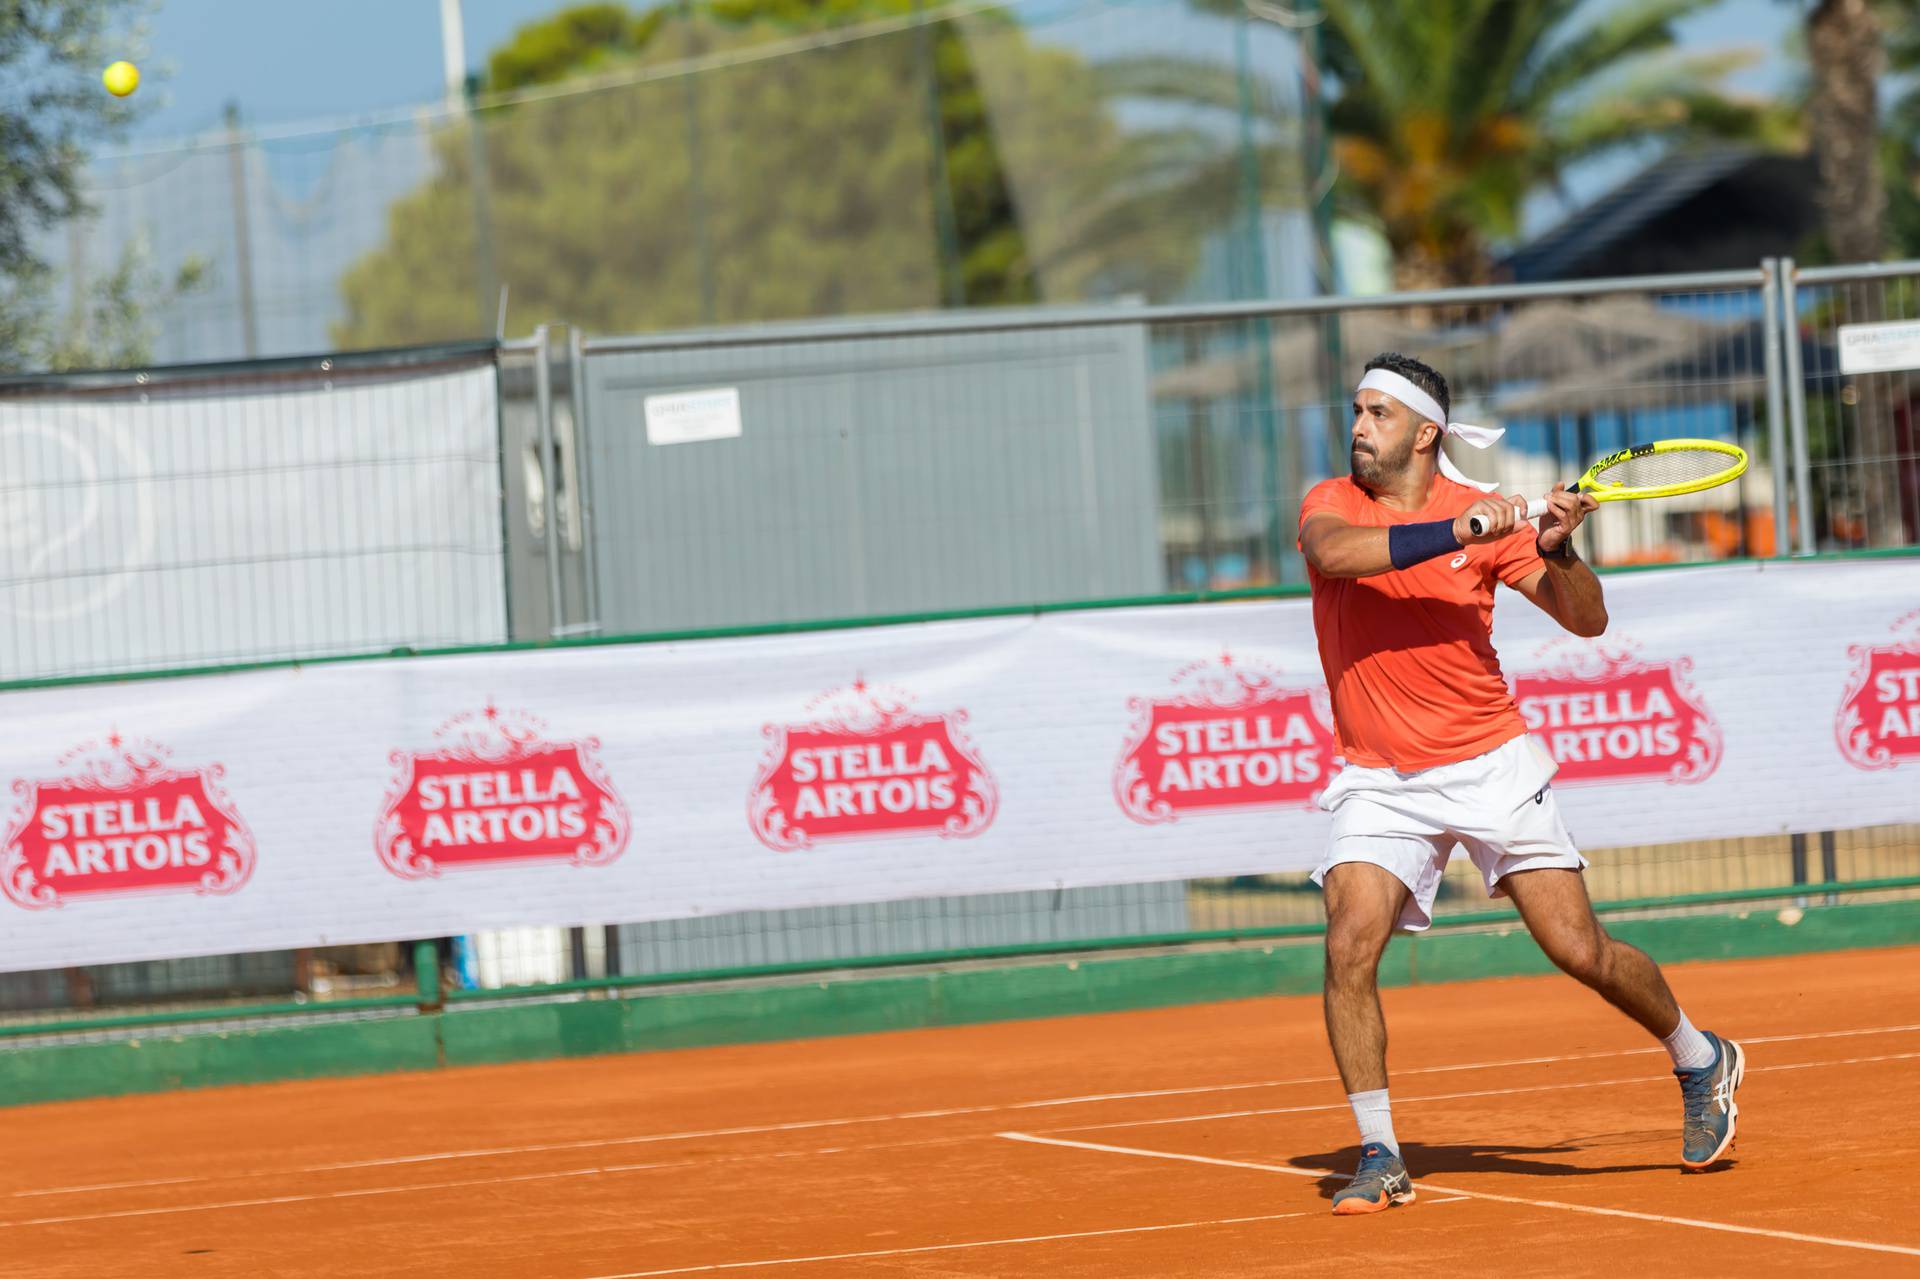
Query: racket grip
pixel 1535 509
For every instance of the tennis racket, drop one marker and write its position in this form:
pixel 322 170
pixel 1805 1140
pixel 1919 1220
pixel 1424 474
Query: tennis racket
pixel 1665 468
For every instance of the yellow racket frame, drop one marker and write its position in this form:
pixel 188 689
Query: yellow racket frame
pixel 1618 492
pixel 1591 484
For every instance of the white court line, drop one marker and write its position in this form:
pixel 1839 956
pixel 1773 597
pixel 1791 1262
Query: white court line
pixel 1459 1096
pixel 801 1125
pixel 834 1150
pixel 332 1194
pixel 1695 1222
pixel 610 1169
pixel 947 1247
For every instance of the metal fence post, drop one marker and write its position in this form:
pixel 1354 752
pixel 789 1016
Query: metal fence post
pixel 242 233
pixel 1776 404
pixel 550 531
pixel 1796 405
pixel 486 272
pixel 426 974
pixel 583 473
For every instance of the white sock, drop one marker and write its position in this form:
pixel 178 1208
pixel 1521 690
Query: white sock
pixel 1689 1049
pixel 1375 1115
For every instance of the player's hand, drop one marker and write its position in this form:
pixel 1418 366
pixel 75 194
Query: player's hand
pixel 1498 515
pixel 1565 510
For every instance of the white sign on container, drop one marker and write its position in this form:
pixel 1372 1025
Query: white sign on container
pixel 688 417
pixel 1880 348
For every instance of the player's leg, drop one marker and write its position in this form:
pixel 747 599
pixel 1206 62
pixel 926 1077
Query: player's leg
pixel 1509 820
pixel 1554 904
pixel 1364 902
pixel 1382 870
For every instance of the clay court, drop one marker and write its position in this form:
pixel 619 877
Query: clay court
pixel 1541 1127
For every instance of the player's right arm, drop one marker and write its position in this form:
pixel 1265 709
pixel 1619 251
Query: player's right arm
pixel 1336 548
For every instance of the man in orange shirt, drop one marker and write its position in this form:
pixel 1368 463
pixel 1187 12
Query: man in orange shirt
pixel 1437 754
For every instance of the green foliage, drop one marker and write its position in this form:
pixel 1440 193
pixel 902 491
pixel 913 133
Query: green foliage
pixel 1901 142
pixel 51 103
pixel 581 40
pixel 760 187
pixel 113 327
pixel 51 106
pixel 1448 114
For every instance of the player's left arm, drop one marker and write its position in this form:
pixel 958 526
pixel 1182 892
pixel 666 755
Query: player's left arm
pixel 1565 588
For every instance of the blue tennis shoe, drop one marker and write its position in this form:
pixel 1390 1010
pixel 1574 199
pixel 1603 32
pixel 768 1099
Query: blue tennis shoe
pixel 1706 1132
pixel 1380 1183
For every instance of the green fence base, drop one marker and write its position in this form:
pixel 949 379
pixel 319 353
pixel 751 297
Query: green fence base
pixel 175 1059
pixel 479 1033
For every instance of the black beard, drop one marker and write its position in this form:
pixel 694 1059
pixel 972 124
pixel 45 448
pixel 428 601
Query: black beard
pixel 1367 471
pixel 1372 471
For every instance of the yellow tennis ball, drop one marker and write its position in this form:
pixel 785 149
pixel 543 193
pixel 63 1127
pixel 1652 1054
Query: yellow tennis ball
pixel 121 79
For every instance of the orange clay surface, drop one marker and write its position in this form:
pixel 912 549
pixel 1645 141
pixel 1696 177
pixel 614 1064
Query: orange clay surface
pixel 1541 1127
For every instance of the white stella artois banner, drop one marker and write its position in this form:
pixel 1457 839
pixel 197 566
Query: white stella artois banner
pixel 420 797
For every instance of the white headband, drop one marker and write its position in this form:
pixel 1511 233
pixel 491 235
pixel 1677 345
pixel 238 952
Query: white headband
pixel 1420 402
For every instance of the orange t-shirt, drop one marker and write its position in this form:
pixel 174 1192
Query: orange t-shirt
pixel 1408 654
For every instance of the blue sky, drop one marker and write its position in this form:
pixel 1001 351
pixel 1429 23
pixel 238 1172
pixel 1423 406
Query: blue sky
pixel 284 61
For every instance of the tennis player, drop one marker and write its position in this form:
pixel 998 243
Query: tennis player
pixel 1437 754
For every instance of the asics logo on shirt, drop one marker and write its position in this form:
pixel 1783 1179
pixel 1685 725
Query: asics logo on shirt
pixel 1458 561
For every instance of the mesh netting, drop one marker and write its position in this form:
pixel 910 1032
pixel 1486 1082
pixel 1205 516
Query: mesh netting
pixel 968 153
pixel 1663 470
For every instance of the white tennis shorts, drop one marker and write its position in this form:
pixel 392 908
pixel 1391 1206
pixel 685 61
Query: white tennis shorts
pixel 1498 806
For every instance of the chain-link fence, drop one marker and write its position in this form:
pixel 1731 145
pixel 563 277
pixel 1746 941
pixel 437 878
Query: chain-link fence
pixel 730 170
pixel 946 463
pixel 1856 404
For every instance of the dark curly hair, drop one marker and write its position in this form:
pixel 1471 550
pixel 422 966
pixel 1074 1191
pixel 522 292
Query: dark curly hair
pixel 1424 376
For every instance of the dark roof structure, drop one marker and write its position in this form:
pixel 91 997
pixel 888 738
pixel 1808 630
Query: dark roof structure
pixel 1702 209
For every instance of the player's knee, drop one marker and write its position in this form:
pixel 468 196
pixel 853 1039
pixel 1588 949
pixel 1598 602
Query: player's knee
pixel 1353 954
pixel 1582 956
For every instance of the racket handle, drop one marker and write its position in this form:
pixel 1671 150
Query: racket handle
pixel 1535 509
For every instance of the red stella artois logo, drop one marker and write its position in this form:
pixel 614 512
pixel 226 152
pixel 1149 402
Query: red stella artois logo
pixel 1231 736
pixel 499 792
pixel 122 821
pixel 1608 717
pixel 1879 720
pixel 866 766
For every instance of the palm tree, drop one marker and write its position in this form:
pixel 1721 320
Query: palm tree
pixel 1449 113
pixel 1847 58
pixel 1847 54
pixel 1902 137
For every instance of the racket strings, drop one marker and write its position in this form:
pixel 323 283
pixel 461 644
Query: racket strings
pixel 1663 470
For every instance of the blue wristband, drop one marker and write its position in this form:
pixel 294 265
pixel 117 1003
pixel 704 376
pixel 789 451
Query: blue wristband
pixel 1410 544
